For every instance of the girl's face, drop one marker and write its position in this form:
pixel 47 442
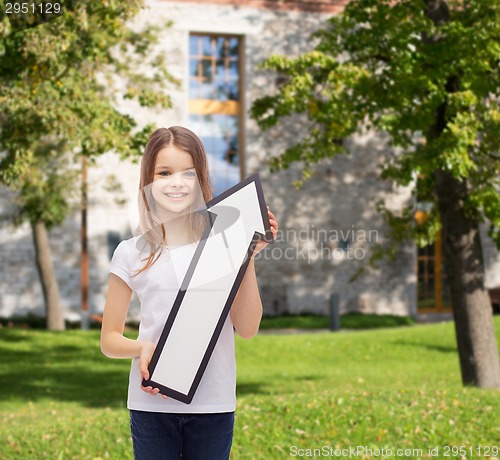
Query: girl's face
pixel 175 184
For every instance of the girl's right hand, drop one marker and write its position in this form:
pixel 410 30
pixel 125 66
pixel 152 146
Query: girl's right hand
pixel 147 350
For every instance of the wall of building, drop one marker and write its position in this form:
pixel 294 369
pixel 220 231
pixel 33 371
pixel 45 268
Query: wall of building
pixel 311 259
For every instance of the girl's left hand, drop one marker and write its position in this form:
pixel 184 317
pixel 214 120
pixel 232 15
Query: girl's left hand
pixel 147 351
pixel 274 229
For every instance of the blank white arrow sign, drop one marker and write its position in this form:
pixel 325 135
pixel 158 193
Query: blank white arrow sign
pixel 237 221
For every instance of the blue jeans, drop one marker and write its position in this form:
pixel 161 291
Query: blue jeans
pixel 166 436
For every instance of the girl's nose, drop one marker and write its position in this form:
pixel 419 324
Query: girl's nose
pixel 176 180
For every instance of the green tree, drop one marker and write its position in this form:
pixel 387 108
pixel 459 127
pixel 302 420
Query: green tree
pixel 413 69
pixel 61 84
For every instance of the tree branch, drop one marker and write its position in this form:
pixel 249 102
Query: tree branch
pixel 491 155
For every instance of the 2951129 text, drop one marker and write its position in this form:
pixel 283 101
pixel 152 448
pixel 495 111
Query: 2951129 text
pixel 32 7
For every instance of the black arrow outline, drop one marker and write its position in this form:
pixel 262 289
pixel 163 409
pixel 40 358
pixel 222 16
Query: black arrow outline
pixel 268 236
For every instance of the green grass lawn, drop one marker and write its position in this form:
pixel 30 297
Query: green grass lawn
pixel 396 388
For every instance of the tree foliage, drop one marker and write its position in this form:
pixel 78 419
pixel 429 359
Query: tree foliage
pixel 61 85
pixel 388 66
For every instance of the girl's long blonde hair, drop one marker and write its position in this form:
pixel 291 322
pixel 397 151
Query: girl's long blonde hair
pixel 150 228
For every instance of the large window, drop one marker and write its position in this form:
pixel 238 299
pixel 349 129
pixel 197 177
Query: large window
pixel 215 104
pixel 433 290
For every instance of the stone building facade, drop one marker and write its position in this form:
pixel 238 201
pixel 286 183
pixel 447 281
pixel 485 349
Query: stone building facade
pixel 327 228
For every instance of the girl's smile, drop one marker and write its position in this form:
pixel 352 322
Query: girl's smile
pixel 177 196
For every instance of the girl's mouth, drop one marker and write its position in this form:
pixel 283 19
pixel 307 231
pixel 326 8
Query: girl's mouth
pixel 177 195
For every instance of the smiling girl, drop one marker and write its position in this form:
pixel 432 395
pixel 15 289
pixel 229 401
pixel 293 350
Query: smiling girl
pixel 174 183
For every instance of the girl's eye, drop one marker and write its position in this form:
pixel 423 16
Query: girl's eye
pixel 187 173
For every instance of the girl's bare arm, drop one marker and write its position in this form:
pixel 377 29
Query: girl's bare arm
pixel 246 311
pixel 113 343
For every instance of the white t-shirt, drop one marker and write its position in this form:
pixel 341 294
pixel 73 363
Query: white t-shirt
pixel 157 287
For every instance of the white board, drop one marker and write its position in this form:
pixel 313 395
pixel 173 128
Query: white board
pixel 238 219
